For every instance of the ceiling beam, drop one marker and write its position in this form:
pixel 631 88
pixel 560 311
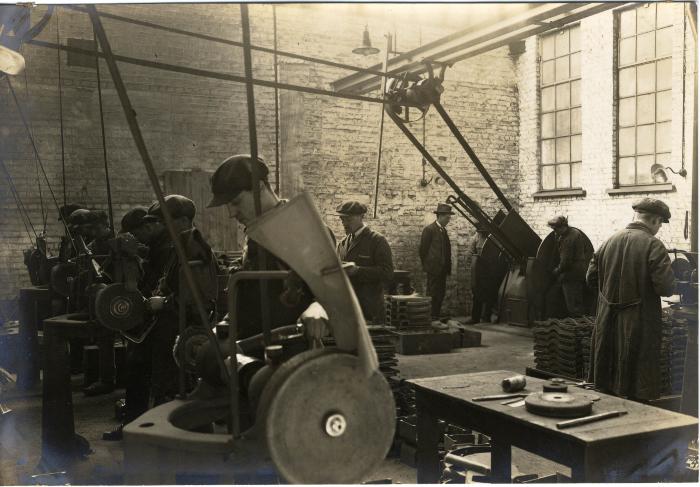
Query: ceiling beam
pixel 475 40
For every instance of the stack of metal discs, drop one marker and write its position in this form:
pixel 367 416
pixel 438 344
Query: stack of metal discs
pixel 408 312
pixel 562 346
pixel 674 336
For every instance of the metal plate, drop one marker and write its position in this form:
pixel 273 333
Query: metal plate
pixel 558 405
pixel 118 308
pixel 325 421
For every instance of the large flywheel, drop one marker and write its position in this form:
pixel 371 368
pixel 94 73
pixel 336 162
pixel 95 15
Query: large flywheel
pixel 324 421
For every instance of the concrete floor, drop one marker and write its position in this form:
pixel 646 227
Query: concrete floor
pixel 503 347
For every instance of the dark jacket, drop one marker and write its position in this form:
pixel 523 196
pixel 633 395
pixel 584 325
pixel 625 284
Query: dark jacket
pixel 572 255
pixel 630 270
pixel 370 251
pixel 435 250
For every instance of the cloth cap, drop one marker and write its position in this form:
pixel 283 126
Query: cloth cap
pixel 444 208
pixel 349 208
pixel 178 206
pixel 82 216
pixel 233 176
pixel 655 207
pixel 133 218
pixel 558 221
pixel 65 211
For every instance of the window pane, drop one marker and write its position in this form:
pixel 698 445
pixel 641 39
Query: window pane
pixel 627 113
pixel 628 20
pixel 562 68
pixel 563 96
pixel 574 39
pixel 626 170
pixel 663 106
pixel 576 121
pixel 548 177
pixel 628 81
pixel 645 109
pixel 576 175
pixel 645 47
pixel 575 93
pixel 664 14
pixel 563 150
pixel 575 65
pixel 644 164
pixel 548 151
pixel 548 47
pixel 663 74
pixel 563 176
pixel 626 141
pixel 645 139
pixel 576 148
pixel 646 18
pixel 645 78
pixel 548 99
pixel 562 43
pixel 547 125
pixel 627 50
pixel 563 123
pixel 663 137
pixel 547 72
pixel 664 42
pixel 663 159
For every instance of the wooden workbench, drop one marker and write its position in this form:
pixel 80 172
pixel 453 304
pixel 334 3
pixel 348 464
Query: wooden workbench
pixel 646 443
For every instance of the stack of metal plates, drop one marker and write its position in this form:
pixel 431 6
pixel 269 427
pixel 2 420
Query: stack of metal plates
pixel 674 335
pixel 385 345
pixel 408 312
pixel 562 346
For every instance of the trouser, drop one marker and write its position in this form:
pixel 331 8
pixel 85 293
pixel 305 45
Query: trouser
pixel 164 370
pixel 138 378
pixel 573 296
pixel 105 346
pixel 435 288
pixel 481 310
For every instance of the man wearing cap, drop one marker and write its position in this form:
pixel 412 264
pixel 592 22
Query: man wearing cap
pixel 371 265
pixel 435 254
pixel 570 272
pixel 631 270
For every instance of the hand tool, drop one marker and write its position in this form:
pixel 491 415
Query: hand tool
pixel 590 419
pixel 500 396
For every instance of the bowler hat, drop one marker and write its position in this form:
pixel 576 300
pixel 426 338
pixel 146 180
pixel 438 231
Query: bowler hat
pixel 558 221
pixel 655 207
pixel 351 208
pixel 444 209
pixel 178 206
pixel 233 176
pixel 133 218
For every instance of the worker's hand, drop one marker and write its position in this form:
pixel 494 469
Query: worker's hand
pixel 157 303
pixel 315 323
pixel 350 268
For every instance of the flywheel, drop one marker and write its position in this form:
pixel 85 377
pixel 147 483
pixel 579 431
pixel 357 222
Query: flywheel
pixel 324 421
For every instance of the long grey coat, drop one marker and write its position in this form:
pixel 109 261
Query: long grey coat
pixel 631 270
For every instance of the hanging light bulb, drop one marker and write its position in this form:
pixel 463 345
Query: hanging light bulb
pixel 366 49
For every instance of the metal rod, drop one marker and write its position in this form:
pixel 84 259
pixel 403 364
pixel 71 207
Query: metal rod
pixel 277 102
pixel 475 159
pixel 18 201
pixel 694 196
pixel 104 139
pixel 60 111
pixel 130 115
pixel 381 128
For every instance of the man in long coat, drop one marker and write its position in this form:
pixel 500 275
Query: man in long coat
pixel 570 273
pixel 436 257
pixel 631 270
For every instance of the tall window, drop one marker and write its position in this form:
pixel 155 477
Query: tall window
pixel 644 91
pixel 560 76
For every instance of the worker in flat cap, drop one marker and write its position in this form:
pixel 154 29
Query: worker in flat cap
pixel 482 272
pixel 569 271
pixel 368 255
pixel 631 271
pixel 288 301
pixel 435 254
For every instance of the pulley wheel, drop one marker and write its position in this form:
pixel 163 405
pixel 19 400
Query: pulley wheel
pixel 326 422
pixel 558 404
pixel 187 345
pixel 119 308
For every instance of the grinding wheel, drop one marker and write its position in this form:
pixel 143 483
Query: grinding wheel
pixel 558 405
pixel 555 385
pixel 119 308
pixel 187 346
pixel 324 421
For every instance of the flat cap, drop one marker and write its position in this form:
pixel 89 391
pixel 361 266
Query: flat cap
pixel 133 218
pixel 65 210
pixel 178 206
pixel 82 216
pixel 444 208
pixel 233 176
pixel 351 208
pixel 655 207
pixel 558 221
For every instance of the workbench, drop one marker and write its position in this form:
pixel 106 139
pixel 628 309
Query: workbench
pixel 645 444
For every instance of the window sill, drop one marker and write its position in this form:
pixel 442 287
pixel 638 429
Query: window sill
pixel 645 188
pixel 559 193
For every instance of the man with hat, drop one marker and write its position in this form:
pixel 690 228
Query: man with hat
pixel 369 256
pixel 631 271
pixel 435 254
pixel 570 272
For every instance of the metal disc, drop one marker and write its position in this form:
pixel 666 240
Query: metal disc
pixel 325 421
pixel 555 385
pixel 118 308
pixel 558 405
pixel 187 345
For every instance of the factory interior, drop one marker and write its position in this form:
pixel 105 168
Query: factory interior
pixel 348 243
